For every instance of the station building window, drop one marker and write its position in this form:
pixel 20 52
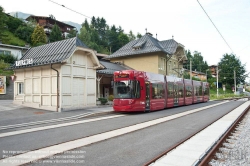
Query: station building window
pixel 162 64
pixel 20 88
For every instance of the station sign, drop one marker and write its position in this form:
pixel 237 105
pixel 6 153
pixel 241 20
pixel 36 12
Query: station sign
pixel 24 62
pixel 122 76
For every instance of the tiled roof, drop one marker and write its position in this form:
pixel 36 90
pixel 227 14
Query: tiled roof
pixel 146 44
pixel 55 52
pixel 110 67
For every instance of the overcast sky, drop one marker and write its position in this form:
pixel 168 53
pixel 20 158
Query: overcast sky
pixel 183 19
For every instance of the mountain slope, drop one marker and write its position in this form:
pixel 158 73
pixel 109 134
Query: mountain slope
pixel 20 15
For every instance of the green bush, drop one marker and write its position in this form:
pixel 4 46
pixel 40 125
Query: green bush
pixel 8 58
pixel 103 101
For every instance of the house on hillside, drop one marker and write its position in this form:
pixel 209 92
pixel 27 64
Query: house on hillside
pixel 196 74
pixel 47 23
pixel 16 51
pixel 151 55
pixel 57 76
pixel 213 70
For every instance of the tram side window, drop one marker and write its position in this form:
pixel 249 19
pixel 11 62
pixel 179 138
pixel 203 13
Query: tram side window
pixel 170 90
pixel 195 91
pixel 200 90
pixel 136 90
pixel 181 91
pixel 206 91
pixel 188 91
pixel 157 91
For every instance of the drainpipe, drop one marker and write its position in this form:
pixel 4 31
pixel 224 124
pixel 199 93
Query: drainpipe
pixel 57 87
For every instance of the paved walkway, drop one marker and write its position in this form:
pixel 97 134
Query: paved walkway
pixel 6 105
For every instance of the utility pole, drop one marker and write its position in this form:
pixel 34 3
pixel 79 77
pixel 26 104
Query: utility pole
pixel 206 74
pixel 217 72
pixel 234 82
pixel 190 71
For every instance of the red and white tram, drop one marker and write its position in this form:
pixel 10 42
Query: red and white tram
pixel 143 91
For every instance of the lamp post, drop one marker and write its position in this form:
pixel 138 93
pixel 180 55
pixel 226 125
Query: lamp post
pixel 190 71
pixel 206 74
pixel 217 72
pixel 234 82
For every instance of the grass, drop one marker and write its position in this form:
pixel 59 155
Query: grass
pixel 222 95
pixel 13 40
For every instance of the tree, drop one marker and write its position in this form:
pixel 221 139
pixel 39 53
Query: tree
pixel 131 36
pixel 56 34
pixel 123 39
pixel 13 23
pixel 102 37
pixel 138 35
pixel 10 59
pixel 24 32
pixel 3 27
pixel 72 33
pixel 113 38
pixel 86 25
pixel 84 36
pixel 189 57
pixel 38 37
pixel 198 63
pixel 227 65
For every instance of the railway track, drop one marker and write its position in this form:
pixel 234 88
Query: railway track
pixel 221 150
pixel 211 156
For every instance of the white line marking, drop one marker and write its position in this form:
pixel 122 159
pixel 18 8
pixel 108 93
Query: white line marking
pixel 55 126
pixel 52 150
pixel 47 121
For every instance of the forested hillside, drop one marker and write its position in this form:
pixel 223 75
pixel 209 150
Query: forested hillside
pixel 96 34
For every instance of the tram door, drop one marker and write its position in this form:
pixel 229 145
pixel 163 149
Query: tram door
pixel 175 95
pixel 147 96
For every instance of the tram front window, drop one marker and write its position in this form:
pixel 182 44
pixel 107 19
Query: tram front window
pixel 126 89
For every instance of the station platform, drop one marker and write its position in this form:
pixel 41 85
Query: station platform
pixel 194 149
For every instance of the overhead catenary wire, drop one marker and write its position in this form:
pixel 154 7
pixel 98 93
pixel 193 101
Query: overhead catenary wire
pixel 215 27
pixel 70 9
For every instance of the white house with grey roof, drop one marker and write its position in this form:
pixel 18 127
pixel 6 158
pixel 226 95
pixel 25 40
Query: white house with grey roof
pixel 16 51
pixel 57 76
